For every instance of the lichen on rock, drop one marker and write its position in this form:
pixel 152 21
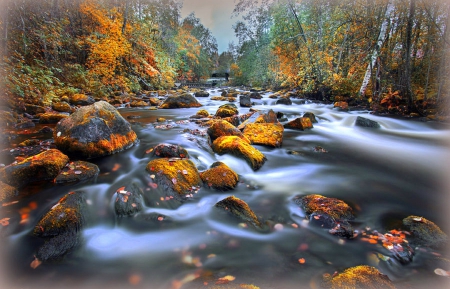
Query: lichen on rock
pixel 221 127
pixel 220 177
pixel 180 101
pixel 358 277
pixel 425 232
pixel 268 134
pixel 239 209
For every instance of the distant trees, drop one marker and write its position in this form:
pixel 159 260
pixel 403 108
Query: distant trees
pixel 54 48
pixel 366 50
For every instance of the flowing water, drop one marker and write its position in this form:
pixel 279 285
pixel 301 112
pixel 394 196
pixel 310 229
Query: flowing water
pixel 385 174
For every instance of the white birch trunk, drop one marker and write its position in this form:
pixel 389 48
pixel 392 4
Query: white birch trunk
pixel 380 41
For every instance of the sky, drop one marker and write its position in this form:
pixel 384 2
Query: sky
pixel 215 15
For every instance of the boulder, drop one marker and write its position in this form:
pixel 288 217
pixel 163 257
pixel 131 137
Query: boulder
pixel 268 134
pixel 221 127
pixel 181 101
pixel 260 117
pixel 139 103
pixel 359 277
pixel 244 101
pixel 425 232
pixel 40 167
pixel 255 95
pixel 77 171
pixel 300 123
pixel 202 113
pixel 179 176
pixel 239 147
pixel 342 105
pixel 284 100
pixel 81 99
pixel 49 117
pixel 94 131
pixel 226 110
pixel 311 116
pixel 128 200
pixel 365 122
pixel 239 209
pixel 7 119
pixel 61 226
pixel 164 150
pixel 328 213
pixel 62 107
pixel 24 124
pixel 201 93
pixel 220 177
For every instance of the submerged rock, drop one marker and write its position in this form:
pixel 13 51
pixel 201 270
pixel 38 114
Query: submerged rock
pixel 220 128
pixel 220 177
pixel 175 175
pixel 40 167
pixel 51 117
pixel 268 134
pixel 239 209
pixel 359 277
pixel 94 131
pixel 165 150
pixel 425 232
pixel 77 171
pixel 226 110
pixel 301 123
pixel 240 148
pixel 328 213
pixel 365 122
pixel 182 101
pixel 128 200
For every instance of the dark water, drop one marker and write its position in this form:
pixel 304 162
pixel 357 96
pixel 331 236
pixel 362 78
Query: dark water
pixel 385 175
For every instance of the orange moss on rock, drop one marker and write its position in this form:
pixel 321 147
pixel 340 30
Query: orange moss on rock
pixel 239 209
pixel 220 177
pixel 301 123
pixel 179 175
pixel 226 110
pixel 202 113
pixel 6 192
pixel 51 117
pixel 220 128
pixel 240 148
pixel 268 134
pixel 62 107
pixel 180 101
pixel 425 232
pixel 81 99
pixel 66 215
pixel 333 207
pixel 359 277
pixel 40 167
pixel 260 117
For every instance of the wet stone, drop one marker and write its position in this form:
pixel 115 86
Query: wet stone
pixel 77 171
pixel 311 116
pixel 81 99
pixel 359 277
pixel 300 123
pixel 425 232
pixel 201 93
pixel 47 118
pixel 128 200
pixel 260 117
pixel 220 128
pixel 182 101
pixel 245 101
pixel 365 122
pixel 284 100
pixel 165 150
pixel 7 192
pixel 225 110
pixel 267 134
pixel 239 209
pixel 220 177
pixel 62 107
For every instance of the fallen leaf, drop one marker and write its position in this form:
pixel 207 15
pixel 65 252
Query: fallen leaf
pixel 35 263
pixel 4 222
pixel 116 167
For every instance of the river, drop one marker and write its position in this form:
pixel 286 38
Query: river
pixel 385 174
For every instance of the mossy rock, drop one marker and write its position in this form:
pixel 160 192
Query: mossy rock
pixel 47 118
pixel 425 232
pixel 267 134
pixel 62 106
pixel 185 100
pixel 202 113
pixel 58 246
pixel 226 110
pixel 139 103
pixel 33 109
pixel 239 209
pixel 260 117
pixel 77 171
pixel 220 128
pixel 176 175
pixel 81 99
pixel 128 200
pixel 255 95
pixel 311 116
pixel 244 101
pixel 201 93
pixel 164 150
pixel 300 123
pixel 40 167
pixel 7 192
pixel 220 177
pixel 359 277
pixel 69 214
pixel 240 148
pixel 342 105
pixel 7 119
pixel 327 213
pixel 94 131
pixel 284 100
pixel 154 101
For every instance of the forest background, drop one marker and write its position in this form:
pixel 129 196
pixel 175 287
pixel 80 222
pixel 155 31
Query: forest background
pixel 390 55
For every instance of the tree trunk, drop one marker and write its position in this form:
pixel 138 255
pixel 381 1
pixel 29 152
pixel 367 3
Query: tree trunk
pixel 406 83
pixel 376 50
